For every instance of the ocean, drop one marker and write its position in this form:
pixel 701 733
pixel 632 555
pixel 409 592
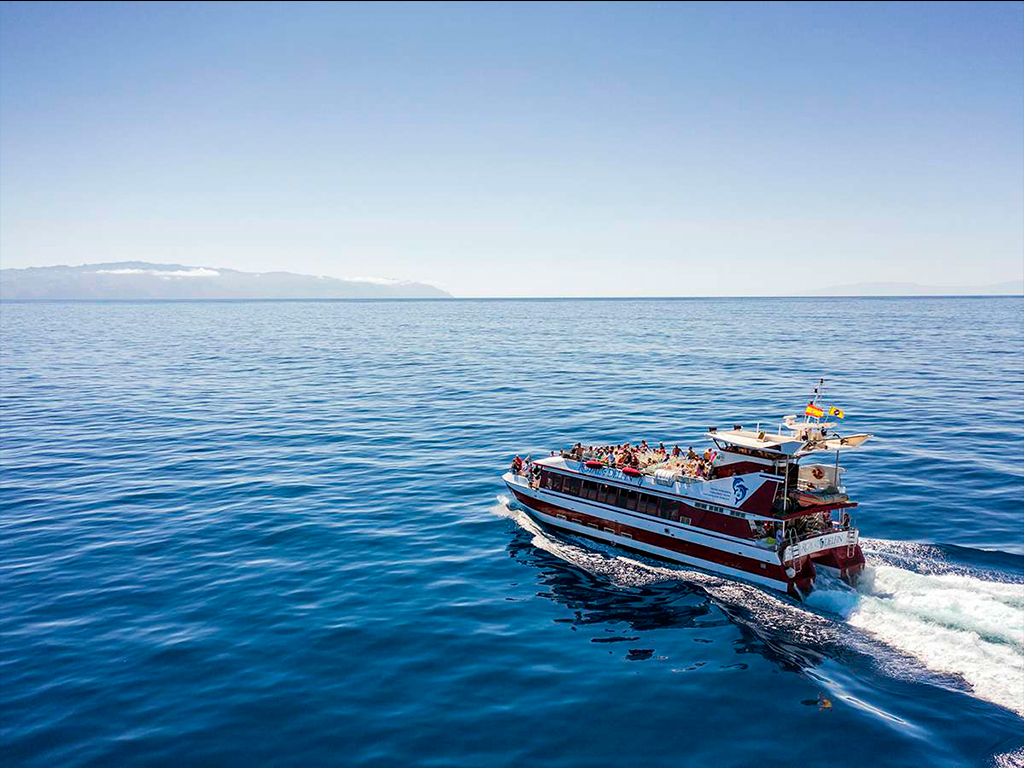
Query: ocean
pixel 274 533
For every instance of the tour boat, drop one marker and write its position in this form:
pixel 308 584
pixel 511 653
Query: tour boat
pixel 769 507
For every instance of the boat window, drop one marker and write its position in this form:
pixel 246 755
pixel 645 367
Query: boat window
pixel 591 489
pixel 648 504
pixel 556 481
pixel 572 486
pixel 545 479
pixel 631 499
pixel 670 509
pixel 607 494
pixel 665 507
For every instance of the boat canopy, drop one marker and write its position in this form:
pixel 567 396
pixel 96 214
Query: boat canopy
pixel 799 439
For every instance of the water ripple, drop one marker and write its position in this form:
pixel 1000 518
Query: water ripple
pixel 259 532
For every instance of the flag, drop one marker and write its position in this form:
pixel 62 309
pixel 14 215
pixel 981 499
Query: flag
pixel 837 412
pixel 813 410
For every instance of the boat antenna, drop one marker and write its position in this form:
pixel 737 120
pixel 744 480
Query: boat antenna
pixel 818 391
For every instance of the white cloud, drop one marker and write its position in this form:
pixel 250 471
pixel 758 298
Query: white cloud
pixel 376 280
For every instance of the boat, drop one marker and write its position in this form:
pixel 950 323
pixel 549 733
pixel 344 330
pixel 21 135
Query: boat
pixel 765 507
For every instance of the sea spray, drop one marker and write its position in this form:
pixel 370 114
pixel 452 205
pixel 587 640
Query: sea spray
pixel 952 623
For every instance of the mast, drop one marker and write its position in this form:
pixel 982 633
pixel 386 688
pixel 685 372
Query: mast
pixel 818 392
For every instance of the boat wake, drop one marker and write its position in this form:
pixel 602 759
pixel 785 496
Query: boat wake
pixel 956 620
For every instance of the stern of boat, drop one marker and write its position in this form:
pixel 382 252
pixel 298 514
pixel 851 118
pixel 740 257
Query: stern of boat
pixel 845 562
pixel 837 552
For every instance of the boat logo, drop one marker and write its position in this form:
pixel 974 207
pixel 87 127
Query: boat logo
pixel 739 490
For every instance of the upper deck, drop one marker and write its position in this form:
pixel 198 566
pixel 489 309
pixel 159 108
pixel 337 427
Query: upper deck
pixel 733 473
pixel 799 439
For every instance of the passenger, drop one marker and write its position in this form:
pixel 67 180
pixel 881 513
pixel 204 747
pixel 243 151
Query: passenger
pixel 517 465
pixel 676 452
pixel 691 455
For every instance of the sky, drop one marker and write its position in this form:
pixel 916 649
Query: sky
pixel 504 149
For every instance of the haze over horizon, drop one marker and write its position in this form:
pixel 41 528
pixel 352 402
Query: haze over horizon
pixel 521 150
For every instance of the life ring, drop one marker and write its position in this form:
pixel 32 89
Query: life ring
pixel 593 464
pixel 818 473
pixel 630 472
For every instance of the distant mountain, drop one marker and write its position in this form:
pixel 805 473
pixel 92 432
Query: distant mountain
pixel 1011 287
pixel 142 280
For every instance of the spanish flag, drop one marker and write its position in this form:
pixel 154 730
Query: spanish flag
pixel 813 410
pixel 837 412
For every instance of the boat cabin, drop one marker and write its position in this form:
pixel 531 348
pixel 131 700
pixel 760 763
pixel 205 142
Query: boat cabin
pixel 808 488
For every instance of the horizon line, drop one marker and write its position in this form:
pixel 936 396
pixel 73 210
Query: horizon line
pixel 515 298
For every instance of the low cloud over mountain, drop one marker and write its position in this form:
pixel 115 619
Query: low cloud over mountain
pixel 142 280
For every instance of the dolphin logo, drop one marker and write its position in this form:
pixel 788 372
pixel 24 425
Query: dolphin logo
pixel 739 490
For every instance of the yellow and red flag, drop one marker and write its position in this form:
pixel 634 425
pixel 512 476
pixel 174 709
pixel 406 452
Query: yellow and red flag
pixel 837 412
pixel 813 410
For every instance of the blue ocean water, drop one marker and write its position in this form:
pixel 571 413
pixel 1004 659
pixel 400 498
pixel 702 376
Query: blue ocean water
pixel 237 533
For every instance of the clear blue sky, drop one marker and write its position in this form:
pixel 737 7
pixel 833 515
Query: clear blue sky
pixel 526 150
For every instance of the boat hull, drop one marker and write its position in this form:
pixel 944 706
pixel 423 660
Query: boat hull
pixel 666 541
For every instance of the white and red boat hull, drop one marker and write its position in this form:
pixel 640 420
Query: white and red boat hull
pixel 705 548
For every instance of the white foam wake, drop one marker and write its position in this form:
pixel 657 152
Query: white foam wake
pixel 947 617
pixel 952 623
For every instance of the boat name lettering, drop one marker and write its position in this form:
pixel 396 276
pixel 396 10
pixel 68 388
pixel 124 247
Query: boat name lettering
pixel 719 493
